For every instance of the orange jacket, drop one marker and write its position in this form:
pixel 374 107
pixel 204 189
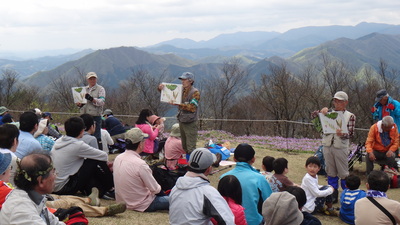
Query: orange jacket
pixel 374 141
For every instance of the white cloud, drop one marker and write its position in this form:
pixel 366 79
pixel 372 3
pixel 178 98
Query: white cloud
pixel 49 24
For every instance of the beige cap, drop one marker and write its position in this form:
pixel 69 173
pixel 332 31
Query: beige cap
pixel 91 74
pixel 341 95
pixel 135 135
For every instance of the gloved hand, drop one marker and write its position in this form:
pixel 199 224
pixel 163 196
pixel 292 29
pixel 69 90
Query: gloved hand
pixel 390 106
pixel 373 109
pixel 88 97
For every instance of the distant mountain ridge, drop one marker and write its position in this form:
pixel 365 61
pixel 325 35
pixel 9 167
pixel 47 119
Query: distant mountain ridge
pixel 116 64
pixel 28 67
pixel 266 44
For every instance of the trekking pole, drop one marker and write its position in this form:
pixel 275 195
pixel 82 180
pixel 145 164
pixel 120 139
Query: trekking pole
pixel 216 171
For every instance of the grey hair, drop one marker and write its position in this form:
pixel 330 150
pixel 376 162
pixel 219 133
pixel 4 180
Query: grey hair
pixel 387 121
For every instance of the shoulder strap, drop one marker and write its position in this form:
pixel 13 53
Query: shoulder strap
pixel 382 209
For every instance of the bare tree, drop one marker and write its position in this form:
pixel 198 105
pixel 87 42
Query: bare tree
pixel 222 89
pixel 139 92
pixel 389 77
pixel 61 94
pixel 27 97
pixel 9 79
pixel 335 74
pixel 282 95
pixel 363 92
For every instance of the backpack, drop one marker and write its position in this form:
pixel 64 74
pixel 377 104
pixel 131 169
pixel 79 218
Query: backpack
pixel 320 155
pixel 166 178
pixel 393 176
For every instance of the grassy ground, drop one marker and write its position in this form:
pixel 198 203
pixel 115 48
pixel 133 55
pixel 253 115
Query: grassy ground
pixel 296 173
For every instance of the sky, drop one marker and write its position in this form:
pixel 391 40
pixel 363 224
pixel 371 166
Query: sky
pixel 101 24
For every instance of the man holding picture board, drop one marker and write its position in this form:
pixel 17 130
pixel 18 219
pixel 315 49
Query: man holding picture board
pixel 95 96
pixel 187 112
pixel 336 144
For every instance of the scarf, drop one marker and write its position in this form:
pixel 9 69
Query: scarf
pixel 376 194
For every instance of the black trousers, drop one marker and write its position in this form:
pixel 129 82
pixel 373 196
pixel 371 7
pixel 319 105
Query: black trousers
pixel 93 173
pixel 380 158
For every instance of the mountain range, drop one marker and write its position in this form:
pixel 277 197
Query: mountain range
pixel 365 43
pixel 267 44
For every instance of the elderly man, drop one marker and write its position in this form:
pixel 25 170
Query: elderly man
pixel 96 97
pixel 367 209
pixel 336 145
pixel 382 142
pixel 133 178
pixel 386 106
pixel 26 204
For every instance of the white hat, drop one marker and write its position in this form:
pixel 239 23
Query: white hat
pixel 42 126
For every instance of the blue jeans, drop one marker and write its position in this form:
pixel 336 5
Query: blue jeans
pixel 159 203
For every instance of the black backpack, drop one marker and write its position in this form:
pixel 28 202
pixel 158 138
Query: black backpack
pixel 166 178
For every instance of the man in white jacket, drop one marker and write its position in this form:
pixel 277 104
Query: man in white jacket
pixel 193 200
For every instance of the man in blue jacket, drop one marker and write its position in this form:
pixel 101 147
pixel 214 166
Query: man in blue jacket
pixel 386 106
pixel 255 188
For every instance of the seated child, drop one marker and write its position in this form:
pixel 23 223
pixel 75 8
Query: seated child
pixel 279 181
pixel 230 189
pixel 267 166
pixel 300 195
pixel 316 195
pixel 349 197
pixel 158 122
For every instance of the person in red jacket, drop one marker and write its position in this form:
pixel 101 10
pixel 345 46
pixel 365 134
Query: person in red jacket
pixel 382 143
pixel 230 189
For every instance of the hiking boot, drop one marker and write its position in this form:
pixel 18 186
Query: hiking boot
pixel 109 195
pixel 94 197
pixel 115 209
pixel 219 158
pixel 331 212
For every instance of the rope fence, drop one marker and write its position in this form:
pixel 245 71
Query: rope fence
pixel 238 127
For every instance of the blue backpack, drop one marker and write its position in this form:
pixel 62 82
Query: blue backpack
pixel 320 155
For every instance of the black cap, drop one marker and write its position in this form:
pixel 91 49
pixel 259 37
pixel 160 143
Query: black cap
pixel 244 152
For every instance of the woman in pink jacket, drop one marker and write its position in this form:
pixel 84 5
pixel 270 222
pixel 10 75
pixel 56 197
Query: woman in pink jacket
pixel 143 124
pixel 229 187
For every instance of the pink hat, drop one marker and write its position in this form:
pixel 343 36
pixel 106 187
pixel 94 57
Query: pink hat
pixel 152 119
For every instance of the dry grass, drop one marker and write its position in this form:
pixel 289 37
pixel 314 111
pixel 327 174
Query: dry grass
pixel 296 173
